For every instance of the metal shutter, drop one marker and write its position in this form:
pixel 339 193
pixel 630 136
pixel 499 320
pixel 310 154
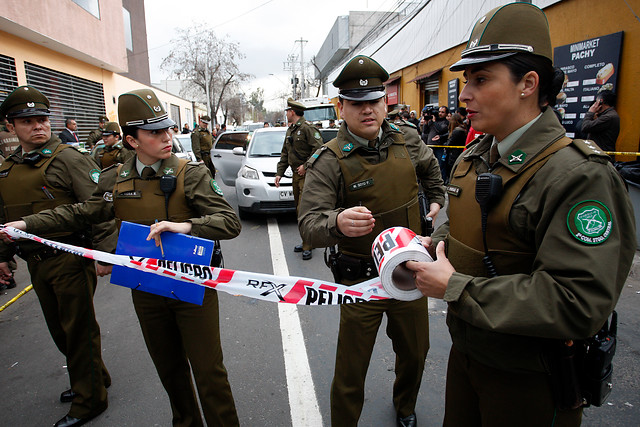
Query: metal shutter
pixel 70 96
pixel 8 78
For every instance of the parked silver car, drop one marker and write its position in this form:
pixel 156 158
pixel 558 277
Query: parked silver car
pixel 227 164
pixel 255 184
pixel 182 147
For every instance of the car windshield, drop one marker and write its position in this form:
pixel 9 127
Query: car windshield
pixel 318 114
pixel 267 144
pixel 185 141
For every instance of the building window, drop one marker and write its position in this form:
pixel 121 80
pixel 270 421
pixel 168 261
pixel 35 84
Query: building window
pixel 70 97
pixel 128 35
pixel 91 6
pixel 8 77
pixel 430 91
pixel 175 113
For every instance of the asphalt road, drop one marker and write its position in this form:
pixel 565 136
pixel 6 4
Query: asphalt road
pixel 33 371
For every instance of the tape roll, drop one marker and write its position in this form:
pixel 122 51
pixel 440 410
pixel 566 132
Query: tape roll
pixel 390 250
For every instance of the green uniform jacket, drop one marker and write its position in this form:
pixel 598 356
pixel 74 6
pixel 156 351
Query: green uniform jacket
pixel 571 287
pixel 71 172
pixel 94 137
pixel 301 142
pixel 323 196
pixel 201 143
pixel 117 153
pixel 217 220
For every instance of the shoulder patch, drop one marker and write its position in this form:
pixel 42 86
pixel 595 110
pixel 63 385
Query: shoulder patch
pixel 317 135
pixel 215 187
pixel 94 174
pixel 590 222
pixel 394 127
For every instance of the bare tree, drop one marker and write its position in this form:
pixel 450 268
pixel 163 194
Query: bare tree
pixel 208 64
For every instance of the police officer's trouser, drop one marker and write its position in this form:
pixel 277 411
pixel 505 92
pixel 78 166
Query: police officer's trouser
pixel 297 186
pixel 479 395
pixel 65 285
pixel 206 158
pixel 178 335
pixel 408 328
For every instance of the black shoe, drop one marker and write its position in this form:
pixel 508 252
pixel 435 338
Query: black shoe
pixel 67 396
pixel 408 421
pixel 306 255
pixel 69 421
pixel 11 284
pixel 297 248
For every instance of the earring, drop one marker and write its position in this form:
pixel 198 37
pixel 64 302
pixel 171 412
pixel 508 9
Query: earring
pixel 522 94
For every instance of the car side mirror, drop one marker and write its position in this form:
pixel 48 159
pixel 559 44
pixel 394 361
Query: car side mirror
pixel 238 151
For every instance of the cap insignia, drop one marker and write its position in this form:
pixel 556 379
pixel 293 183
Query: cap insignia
pixel 157 108
pixel 364 82
pixel 31 104
pixel 361 61
pixel 473 43
pixel 148 96
pixel 483 18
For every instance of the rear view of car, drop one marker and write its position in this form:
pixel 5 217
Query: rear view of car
pixel 255 184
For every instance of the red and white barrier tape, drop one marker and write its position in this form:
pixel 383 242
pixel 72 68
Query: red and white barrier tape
pixel 267 287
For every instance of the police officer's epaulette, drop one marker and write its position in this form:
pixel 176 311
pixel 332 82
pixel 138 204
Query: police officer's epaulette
pixel 406 123
pixel 81 150
pixel 315 155
pixel 590 150
pixel 393 126
pixel 193 163
pixel 115 165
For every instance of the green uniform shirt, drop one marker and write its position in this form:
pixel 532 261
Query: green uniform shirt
pixel 301 141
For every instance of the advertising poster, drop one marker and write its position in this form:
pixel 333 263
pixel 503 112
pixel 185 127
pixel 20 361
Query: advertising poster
pixel 453 94
pixel 589 66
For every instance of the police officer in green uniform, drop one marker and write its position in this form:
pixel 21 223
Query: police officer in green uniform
pixel 113 150
pixel 357 185
pixel 201 143
pixel 44 173
pixel 559 240
pixel 180 336
pixel 301 141
pixel 96 135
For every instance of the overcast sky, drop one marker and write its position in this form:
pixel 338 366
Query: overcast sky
pixel 266 31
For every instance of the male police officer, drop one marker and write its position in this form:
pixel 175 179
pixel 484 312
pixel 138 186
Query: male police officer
pixel 201 142
pixel 96 135
pixel 113 151
pixel 301 141
pixel 44 173
pixel 357 185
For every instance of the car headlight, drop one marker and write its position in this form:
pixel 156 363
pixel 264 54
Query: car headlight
pixel 249 173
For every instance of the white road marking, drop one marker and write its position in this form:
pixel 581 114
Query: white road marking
pixel 302 394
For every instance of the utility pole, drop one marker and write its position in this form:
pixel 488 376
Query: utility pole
pixel 303 83
pixel 290 65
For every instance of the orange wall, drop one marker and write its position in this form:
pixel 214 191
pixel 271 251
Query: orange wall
pixel 570 21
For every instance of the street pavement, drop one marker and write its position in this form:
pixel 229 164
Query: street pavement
pixel 33 371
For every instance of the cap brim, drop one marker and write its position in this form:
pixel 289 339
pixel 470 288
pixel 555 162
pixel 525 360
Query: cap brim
pixel 163 124
pixel 478 59
pixel 28 113
pixel 363 95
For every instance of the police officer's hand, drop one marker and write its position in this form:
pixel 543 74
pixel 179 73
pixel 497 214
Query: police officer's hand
pixel 277 181
pixel 20 225
pixel 301 170
pixel 355 222
pixel 5 273
pixel 432 277
pixel 174 227
pixel 434 210
pixel 103 270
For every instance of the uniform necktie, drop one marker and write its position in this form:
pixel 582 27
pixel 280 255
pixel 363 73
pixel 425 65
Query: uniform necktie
pixel 148 172
pixel 494 154
pixel 373 143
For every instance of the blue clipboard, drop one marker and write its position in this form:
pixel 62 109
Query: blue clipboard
pixel 177 247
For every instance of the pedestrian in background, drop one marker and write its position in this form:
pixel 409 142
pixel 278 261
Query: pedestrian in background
pixel 540 236
pixel 95 136
pixel 68 134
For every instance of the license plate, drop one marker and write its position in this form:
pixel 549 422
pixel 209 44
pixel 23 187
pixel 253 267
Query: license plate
pixel 286 195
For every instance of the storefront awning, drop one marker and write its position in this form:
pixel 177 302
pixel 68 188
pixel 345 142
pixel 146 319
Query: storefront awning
pixel 425 76
pixel 392 80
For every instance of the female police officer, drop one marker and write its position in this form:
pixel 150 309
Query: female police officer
pixel 559 237
pixel 178 335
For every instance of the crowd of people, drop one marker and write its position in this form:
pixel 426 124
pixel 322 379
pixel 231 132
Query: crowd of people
pixel 520 197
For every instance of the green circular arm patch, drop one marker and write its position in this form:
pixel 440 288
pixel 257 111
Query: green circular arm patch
pixel 590 222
